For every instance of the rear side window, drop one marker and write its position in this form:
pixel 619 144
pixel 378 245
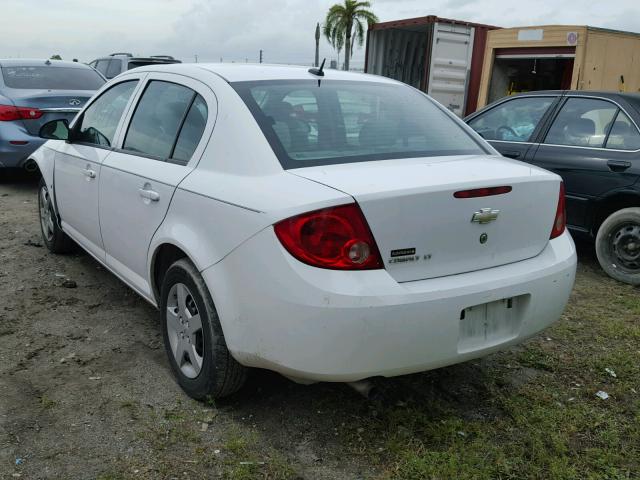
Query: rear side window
pixel 52 78
pixel 102 66
pixel 100 120
pixel 158 118
pixel 512 121
pixel 624 134
pixel 347 121
pixel 114 68
pixel 582 122
pixel 191 131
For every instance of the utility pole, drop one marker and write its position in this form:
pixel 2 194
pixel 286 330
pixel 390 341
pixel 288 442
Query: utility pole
pixel 196 56
pixel 260 56
pixel 317 62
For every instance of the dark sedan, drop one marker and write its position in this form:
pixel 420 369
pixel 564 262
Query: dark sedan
pixel 34 92
pixel 592 140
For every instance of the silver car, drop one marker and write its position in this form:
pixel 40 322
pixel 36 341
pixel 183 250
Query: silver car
pixel 34 92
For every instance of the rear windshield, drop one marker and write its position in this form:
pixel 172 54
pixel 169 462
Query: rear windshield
pixel 52 78
pixel 345 121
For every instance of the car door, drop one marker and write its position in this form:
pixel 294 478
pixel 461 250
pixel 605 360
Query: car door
pixel 159 147
pixel 582 146
pixel 78 165
pixel 511 125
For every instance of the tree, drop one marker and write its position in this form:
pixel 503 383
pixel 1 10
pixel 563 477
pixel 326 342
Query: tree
pixel 346 21
pixel 56 57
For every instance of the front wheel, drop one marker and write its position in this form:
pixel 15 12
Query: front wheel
pixel 193 337
pixel 618 245
pixel 52 235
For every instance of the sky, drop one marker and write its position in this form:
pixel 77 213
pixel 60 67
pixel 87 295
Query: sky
pixel 236 30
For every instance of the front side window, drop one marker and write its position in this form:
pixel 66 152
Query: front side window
pixel 346 121
pixel 624 134
pixel 51 78
pixel 100 120
pixel 157 119
pixel 512 121
pixel 582 122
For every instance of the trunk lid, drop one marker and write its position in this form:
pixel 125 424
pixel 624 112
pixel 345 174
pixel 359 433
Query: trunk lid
pixel 58 104
pixel 423 231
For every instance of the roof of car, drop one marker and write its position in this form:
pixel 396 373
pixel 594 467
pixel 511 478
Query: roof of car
pixel 244 72
pixel 580 93
pixel 42 62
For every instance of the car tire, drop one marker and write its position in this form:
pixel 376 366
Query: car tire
pixel 618 245
pixel 52 235
pixel 196 349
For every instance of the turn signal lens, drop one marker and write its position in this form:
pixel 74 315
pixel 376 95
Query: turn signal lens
pixel 560 222
pixel 9 113
pixel 337 238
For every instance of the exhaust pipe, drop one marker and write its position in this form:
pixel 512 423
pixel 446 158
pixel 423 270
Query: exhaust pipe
pixel 31 166
pixel 366 388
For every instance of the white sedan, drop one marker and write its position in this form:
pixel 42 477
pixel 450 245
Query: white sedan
pixel 326 225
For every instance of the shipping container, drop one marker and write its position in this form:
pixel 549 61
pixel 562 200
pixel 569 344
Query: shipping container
pixel 440 56
pixel 559 57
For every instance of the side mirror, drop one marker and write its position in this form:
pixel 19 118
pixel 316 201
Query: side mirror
pixel 55 130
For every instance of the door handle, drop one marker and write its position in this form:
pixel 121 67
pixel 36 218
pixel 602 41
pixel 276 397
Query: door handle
pixel 149 194
pixel 89 173
pixel 511 154
pixel 618 165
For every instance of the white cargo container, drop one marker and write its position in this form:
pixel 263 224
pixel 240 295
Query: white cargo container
pixel 440 56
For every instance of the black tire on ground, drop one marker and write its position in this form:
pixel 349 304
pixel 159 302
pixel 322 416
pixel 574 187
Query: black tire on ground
pixel 220 374
pixel 618 245
pixel 52 235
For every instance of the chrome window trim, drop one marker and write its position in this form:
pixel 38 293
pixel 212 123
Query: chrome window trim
pixel 604 149
pixel 512 141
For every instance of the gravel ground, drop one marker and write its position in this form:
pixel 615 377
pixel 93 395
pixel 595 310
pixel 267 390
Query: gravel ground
pixel 86 391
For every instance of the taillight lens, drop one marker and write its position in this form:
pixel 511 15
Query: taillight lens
pixel 338 238
pixel 560 222
pixel 9 113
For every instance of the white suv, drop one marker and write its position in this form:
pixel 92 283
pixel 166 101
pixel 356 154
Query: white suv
pixel 326 225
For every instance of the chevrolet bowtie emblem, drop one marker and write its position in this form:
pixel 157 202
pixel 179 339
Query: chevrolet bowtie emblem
pixel 485 215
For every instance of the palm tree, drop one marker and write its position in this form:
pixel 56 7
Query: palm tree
pixel 346 20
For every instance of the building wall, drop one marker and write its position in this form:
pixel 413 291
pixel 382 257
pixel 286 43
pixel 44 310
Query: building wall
pixel 608 56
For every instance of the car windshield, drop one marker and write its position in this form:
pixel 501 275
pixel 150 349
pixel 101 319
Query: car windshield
pixel 347 121
pixel 51 78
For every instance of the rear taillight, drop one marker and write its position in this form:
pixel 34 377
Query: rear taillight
pixel 337 238
pixel 560 222
pixel 9 113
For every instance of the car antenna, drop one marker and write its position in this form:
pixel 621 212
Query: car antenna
pixel 318 72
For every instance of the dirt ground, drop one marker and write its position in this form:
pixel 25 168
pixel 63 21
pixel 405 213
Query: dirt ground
pixel 86 391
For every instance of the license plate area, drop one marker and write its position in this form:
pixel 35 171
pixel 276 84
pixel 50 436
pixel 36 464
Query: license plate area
pixel 489 324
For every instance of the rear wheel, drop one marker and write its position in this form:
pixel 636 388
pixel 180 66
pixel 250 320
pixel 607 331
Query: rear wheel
pixel 618 245
pixel 52 235
pixel 193 337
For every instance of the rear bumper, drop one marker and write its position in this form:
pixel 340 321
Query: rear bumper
pixel 324 325
pixel 14 156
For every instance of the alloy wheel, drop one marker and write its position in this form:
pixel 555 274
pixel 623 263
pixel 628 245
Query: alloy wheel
pixel 184 329
pixel 46 215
